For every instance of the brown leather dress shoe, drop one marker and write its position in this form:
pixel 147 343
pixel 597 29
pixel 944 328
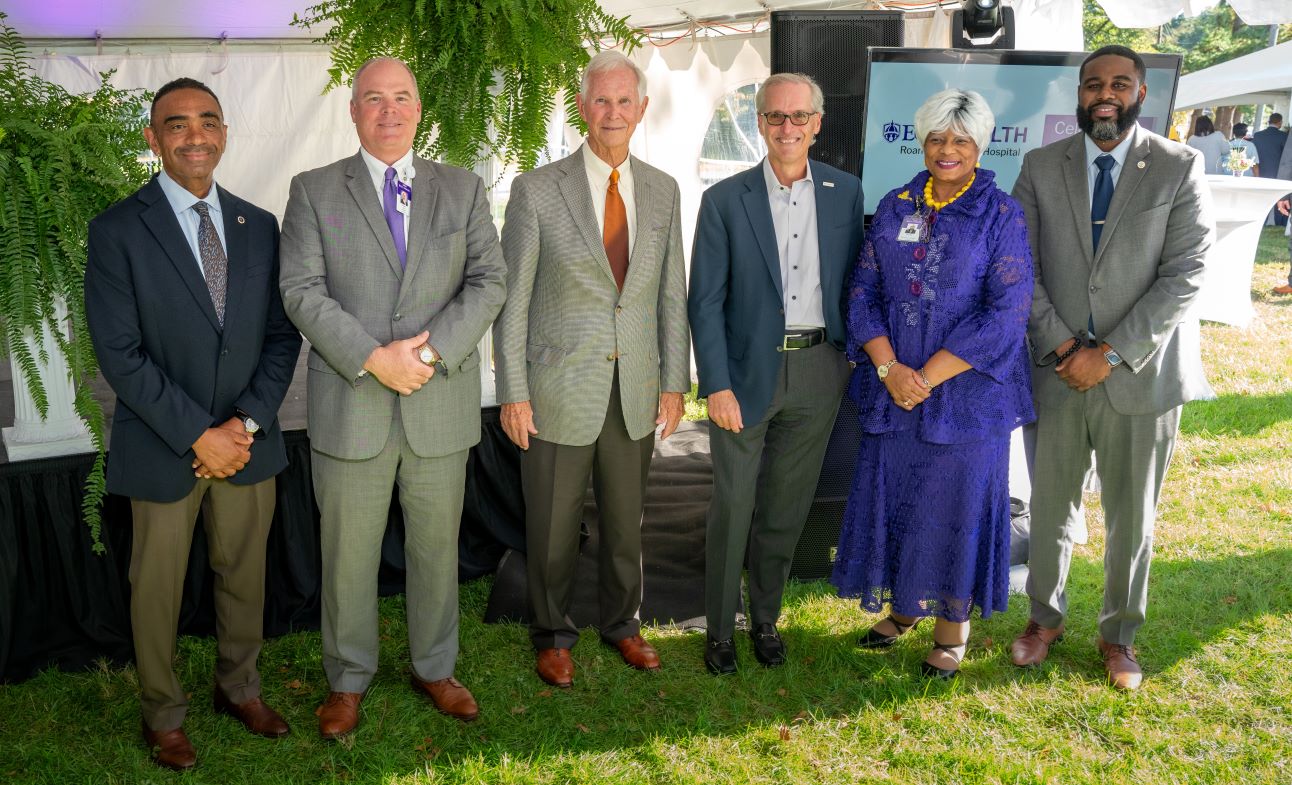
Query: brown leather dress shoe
pixel 1033 646
pixel 450 697
pixel 555 667
pixel 339 714
pixel 638 653
pixel 171 748
pixel 1123 669
pixel 254 714
pixel 1284 289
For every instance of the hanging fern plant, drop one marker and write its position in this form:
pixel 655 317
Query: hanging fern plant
pixel 488 70
pixel 64 158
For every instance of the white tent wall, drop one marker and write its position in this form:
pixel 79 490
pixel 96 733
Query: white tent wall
pixel 279 121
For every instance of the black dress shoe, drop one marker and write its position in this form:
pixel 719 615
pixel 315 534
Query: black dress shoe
pixel 720 656
pixel 769 649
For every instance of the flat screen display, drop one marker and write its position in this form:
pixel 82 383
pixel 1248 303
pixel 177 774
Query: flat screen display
pixel 1032 94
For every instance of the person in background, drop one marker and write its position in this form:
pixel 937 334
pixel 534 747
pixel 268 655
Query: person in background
pixel 1241 142
pixel 1270 142
pixel 1120 223
pixel 773 249
pixel 392 270
pixel 1284 206
pixel 182 302
pixel 937 315
pixel 1211 143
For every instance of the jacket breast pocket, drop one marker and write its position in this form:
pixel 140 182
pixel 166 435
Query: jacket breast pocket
pixel 448 252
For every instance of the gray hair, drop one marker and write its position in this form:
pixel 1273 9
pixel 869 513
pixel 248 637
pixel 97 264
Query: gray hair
pixel 611 60
pixel 354 83
pixel 818 98
pixel 959 111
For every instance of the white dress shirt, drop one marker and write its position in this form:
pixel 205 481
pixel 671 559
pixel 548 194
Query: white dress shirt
pixel 377 170
pixel 1118 153
pixel 599 182
pixel 182 201
pixel 794 221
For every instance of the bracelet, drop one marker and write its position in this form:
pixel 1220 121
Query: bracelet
pixel 1076 345
pixel 925 379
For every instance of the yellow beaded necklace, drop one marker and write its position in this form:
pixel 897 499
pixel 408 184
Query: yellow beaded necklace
pixel 934 203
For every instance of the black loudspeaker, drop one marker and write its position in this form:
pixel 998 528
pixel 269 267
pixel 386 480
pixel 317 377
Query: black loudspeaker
pixel 830 47
pixel 814 554
pixel 962 38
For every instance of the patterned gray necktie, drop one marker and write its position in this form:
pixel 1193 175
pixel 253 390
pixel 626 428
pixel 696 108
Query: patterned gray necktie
pixel 215 265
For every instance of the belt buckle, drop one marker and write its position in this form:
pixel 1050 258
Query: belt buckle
pixel 785 343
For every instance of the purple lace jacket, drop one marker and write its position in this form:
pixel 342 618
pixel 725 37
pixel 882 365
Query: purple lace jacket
pixel 966 287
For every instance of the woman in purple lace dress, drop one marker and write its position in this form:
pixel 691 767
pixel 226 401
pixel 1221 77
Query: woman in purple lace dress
pixel 937 314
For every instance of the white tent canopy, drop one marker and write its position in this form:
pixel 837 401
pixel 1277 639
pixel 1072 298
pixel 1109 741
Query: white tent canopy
pixel 1262 77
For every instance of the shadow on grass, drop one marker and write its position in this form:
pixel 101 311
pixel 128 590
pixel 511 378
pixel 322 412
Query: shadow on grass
pixel 1236 414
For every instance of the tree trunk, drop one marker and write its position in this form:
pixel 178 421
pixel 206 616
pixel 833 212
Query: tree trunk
pixel 1225 120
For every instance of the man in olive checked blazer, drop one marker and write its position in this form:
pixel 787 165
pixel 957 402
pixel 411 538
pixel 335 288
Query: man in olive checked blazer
pixel 592 354
pixel 392 270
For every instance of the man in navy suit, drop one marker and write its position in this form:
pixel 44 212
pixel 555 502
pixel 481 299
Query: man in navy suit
pixel 181 295
pixel 774 247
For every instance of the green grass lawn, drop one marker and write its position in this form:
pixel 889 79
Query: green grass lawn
pixel 1215 707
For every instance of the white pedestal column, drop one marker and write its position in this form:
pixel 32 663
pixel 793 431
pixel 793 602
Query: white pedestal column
pixel 62 432
pixel 1241 204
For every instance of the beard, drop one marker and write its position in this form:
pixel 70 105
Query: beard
pixel 1113 128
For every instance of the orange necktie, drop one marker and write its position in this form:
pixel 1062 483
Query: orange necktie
pixel 615 234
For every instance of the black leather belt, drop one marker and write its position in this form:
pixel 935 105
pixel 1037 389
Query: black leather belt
pixel 802 340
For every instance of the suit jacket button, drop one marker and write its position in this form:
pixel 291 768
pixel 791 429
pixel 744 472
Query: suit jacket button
pixel 398 316
pixel 780 348
pixel 1094 289
pixel 610 356
pixel 224 352
pixel 782 312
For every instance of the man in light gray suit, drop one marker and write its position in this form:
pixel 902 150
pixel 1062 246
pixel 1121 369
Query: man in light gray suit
pixel 392 270
pixel 592 354
pixel 1285 207
pixel 1120 224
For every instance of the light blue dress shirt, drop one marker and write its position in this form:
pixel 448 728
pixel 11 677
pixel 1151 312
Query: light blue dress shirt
pixel 1118 153
pixel 182 201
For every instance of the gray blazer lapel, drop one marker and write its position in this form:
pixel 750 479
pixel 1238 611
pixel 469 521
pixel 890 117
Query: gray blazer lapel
pixel 574 187
pixel 1127 183
pixel 1078 186
pixel 425 191
pixel 360 185
pixel 644 206
pixel 759 210
pixel 161 221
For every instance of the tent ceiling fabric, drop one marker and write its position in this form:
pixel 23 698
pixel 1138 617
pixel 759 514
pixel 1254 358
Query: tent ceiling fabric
pixel 1264 76
pixel 261 19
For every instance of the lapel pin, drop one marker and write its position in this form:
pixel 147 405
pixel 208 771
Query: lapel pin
pixel 1140 165
pixel 241 220
pixel 827 184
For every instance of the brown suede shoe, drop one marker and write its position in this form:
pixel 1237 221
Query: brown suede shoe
pixel 254 714
pixel 555 667
pixel 339 714
pixel 1284 289
pixel 638 653
pixel 1123 669
pixel 450 697
pixel 1033 646
pixel 171 748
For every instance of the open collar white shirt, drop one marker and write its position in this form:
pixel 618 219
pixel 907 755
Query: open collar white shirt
pixel 598 172
pixel 404 170
pixel 181 201
pixel 794 221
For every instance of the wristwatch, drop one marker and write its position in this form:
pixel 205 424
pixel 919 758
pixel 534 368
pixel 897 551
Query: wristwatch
pixel 247 422
pixel 428 355
pixel 1110 354
pixel 882 370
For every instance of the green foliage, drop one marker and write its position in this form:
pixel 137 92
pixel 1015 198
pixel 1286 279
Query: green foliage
pixel 1215 36
pixel 63 159
pixel 488 70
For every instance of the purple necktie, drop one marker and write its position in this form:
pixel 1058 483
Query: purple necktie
pixel 394 218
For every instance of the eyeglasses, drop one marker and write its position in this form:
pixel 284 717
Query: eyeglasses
pixel 779 118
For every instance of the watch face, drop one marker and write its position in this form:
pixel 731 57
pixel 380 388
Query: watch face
pixel 251 425
pixel 1113 358
pixel 882 371
pixel 427 356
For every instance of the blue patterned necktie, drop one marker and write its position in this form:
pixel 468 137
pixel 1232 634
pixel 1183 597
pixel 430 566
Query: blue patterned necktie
pixel 215 265
pixel 1103 195
pixel 394 218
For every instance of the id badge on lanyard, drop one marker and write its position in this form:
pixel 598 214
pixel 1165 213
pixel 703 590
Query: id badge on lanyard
pixel 914 228
pixel 404 197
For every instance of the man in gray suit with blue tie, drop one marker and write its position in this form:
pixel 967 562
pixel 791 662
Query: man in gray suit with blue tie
pixel 391 269
pixel 1120 225
pixel 774 247
pixel 592 355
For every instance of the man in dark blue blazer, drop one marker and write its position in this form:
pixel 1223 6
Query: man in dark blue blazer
pixel 774 247
pixel 181 295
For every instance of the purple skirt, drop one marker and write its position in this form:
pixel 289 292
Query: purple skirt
pixel 926 528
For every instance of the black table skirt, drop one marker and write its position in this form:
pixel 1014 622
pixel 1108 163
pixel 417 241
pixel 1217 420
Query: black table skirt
pixel 63 606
